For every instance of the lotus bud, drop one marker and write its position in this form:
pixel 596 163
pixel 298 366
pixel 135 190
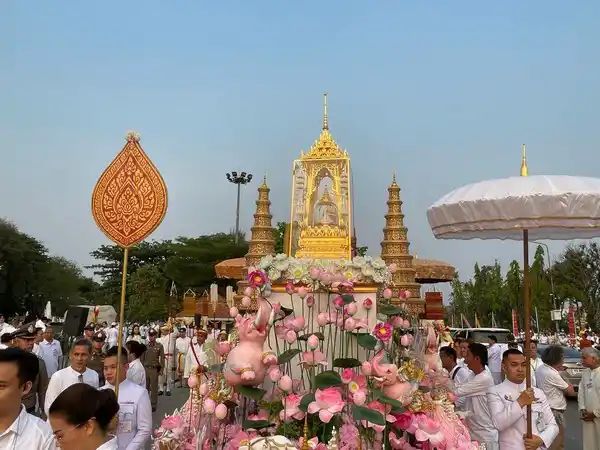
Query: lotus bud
pixel 302 291
pixel 285 383
pixel 248 291
pixel 203 389
pixel 338 302
pixel 367 303
pixel 192 381
pixel 290 337
pixel 387 293
pixel 221 411
pixel 310 301
pixel 312 341
pixel 351 308
pixel 246 301
pixel 289 287
pixel 405 340
pixel 326 278
pixel 275 374
pixel 209 405
pixel 406 324
pixel 233 311
pixel 322 319
pixel 314 273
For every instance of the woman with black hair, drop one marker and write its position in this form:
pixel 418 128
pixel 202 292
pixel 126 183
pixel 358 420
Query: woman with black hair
pixel 82 416
pixel 136 372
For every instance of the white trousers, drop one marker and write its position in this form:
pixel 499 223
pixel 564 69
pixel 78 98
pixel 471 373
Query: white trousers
pixel 165 381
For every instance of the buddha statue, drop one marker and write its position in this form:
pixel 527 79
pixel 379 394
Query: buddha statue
pixel 325 212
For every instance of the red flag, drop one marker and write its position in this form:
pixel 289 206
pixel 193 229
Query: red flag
pixel 515 324
pixel 571 322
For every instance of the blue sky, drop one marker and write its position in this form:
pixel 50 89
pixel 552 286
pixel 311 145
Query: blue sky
pixel 442 93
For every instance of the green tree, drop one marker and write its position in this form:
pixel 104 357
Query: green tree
pixel 147 291
pixel 279 236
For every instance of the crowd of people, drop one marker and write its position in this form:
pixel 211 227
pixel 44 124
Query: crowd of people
pixel 491 394
pixel 68 401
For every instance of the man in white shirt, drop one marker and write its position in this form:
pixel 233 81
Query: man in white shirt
pixel 196 356
pixel 473 395
pixel 507 402
pixel 182 344
pixel 136 373
pixel 135 411
pixel 5 327
pixel 535 362
pixel 589 398
pixel 495 351
pixel 18 429
pixel 555 387
pixel 112 335
pixel 167 339
pixel 458 374
pixel 50 351
pixel 77 372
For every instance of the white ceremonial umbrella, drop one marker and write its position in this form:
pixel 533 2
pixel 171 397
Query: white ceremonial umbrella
pixel 519 208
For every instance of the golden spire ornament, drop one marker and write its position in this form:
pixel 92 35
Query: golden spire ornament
pixel 129 202
pixel 325 118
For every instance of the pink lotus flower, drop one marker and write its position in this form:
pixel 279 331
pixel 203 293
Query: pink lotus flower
pixel 366 367
pixel 312 358
pixel 221 411
pixel 290 336
pixel 294 323
pixel 400 443
pixel 404 294
pixel 349 324
pixel 351 308
pixel 223 347
pixel 257 279
pixel 275 374
pixel 310 301
pixel 403 421
pixel 338 302
pixel 323 319
pixel 387 293
pixel 367 303
pixel 429 430
pixel 383 331
pixel 248 291
pixel 406 340
pixel 327 403
pixel 302 292
pixel 359 397
pixel 236 440
pixel 345 287
pixel 209 405
pixel 172 422
pixel 233 311
pixel 347 375
pixel 246 301
pixel 326 278
pixel 291 411
pixel 314 273
pixel 348 435
pixel 285 383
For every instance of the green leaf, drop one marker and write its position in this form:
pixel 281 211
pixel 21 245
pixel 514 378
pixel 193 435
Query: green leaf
pixel 346 362
pixel 216 368
pixel 288 355
pixel 327 379
pixel 389 310
pixel 256 424
pixel 348 298
pixel 251 392
pixel 305 337
pixel 367 341
pixel 308 398
pixel 395 404
pixel 364 413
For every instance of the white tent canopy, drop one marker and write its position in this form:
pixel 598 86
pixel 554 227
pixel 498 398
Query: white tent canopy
pixel 549 206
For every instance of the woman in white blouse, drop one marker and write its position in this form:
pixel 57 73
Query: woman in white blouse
pixel 136 372
pixel 84 425
pixel 135 335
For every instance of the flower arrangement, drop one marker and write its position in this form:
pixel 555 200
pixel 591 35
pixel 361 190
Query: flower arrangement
pixel 335 379
pixel 361 269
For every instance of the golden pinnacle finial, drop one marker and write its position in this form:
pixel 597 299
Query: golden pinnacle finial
pixel 264 183
pixel 524 170
pixel 132 136
pixel 325 119
pixel 305 444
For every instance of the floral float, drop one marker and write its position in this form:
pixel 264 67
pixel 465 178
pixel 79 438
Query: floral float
pixel 311 386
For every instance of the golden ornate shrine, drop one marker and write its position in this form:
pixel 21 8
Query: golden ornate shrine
pixel 321 216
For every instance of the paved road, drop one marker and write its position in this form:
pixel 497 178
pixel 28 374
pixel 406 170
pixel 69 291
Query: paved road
pixel 573 439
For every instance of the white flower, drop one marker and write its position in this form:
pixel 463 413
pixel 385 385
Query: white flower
pixel 274 274
pixel 378 264
pixel 281 265
pixel 281 257
pixel 368 271
pixel 265 262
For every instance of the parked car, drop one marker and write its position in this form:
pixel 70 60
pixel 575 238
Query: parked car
pixel 572 365
pixel 480 335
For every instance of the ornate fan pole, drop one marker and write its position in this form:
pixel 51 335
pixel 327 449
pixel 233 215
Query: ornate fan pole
pixel 129 202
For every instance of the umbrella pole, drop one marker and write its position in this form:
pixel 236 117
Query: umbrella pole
pixel 527 313
pixel 121 317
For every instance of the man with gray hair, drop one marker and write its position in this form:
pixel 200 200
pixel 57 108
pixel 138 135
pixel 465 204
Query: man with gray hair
pixel 555 387
pixel 589 398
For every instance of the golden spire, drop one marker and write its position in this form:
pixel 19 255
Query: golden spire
pixel 262 242
pixel 325 120
pixel 524 171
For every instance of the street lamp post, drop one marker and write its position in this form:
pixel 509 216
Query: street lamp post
pixel 242 178
pixel 551 279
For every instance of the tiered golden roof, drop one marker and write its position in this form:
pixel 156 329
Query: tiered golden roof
pixel 262 242
pixel 395 249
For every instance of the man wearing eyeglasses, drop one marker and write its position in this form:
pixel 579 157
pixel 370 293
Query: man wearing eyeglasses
pixel 18 429
pixel 77 372
pixel 135 411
